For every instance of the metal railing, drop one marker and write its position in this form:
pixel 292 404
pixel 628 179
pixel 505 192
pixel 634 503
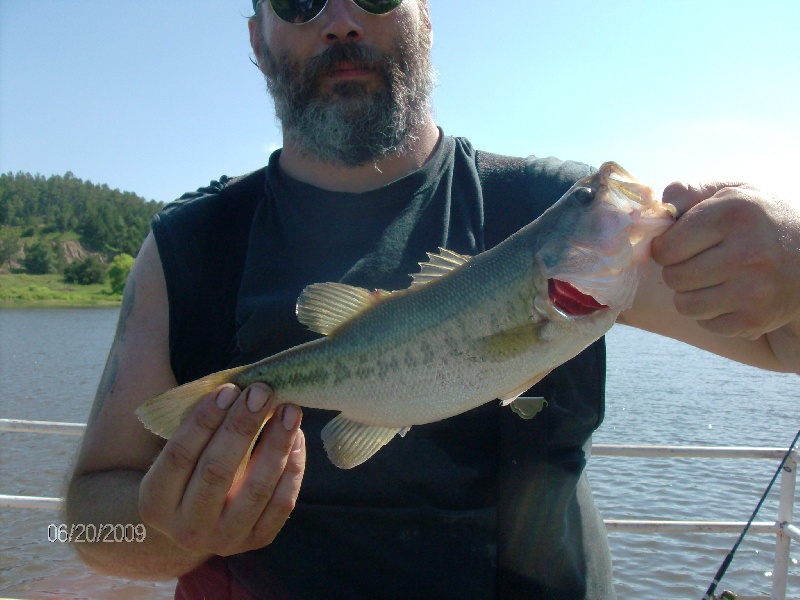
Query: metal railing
pixel 782 527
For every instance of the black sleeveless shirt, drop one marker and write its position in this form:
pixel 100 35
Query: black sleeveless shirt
pixel 480 505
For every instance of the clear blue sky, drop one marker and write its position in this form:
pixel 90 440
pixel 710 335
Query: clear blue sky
pixel 159 96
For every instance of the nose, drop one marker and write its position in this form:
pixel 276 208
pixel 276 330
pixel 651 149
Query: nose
pixel 342 22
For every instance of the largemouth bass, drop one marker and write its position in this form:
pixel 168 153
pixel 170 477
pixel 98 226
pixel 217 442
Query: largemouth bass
pixel 467 331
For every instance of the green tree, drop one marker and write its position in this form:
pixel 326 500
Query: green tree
pixel 118 272
pixel 39 258
pixel 86 272
pixel 9 246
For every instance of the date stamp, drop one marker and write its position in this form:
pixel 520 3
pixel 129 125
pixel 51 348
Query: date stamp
pixel 89 532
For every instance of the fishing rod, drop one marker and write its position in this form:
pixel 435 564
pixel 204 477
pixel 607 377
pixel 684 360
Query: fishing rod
pixel 726 563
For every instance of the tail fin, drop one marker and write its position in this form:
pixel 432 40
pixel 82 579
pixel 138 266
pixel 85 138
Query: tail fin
pixel 163 414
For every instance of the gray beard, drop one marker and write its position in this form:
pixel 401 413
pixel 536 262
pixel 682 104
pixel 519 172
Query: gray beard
pixel 352 125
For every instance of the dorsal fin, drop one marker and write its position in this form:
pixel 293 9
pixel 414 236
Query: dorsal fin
pixel 323 307
pixel 440 264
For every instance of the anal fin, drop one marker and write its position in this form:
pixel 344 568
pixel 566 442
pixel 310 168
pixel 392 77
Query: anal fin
pixel 350 443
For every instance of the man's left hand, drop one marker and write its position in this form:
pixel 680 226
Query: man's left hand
pixel 732 258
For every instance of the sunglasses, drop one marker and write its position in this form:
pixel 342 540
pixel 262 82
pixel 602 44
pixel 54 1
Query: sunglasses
pixel 303 11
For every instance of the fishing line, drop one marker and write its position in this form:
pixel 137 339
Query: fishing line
pixel 726 563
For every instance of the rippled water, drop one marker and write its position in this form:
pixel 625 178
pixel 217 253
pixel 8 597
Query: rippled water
pixel 664 392
pixel 659 392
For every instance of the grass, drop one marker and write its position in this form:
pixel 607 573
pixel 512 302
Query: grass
pixel 20 289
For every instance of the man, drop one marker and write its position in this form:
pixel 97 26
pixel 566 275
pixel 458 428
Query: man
pixel 479 505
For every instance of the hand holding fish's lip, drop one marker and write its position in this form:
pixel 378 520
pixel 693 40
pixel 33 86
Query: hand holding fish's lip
pixel 727 258
pixel 197 494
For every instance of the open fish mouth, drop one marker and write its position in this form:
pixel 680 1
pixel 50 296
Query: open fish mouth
pixel 568 300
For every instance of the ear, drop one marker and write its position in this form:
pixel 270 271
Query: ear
pixel 254 25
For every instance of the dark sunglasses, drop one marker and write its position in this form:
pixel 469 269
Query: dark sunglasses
pixel 302 11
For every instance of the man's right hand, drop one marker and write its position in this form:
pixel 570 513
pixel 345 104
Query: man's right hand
pixel 189 493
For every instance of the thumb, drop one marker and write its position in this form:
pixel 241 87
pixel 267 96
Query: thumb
pixel 683 196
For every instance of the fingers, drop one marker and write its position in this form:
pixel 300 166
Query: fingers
pixel 732 308
pixel 261 496
pixel 189 492
pixel 684 196
pixel 283 492
pixel 206 492
pixel 166 481
pixel 699 272
pixel 729 258
pixel 701 222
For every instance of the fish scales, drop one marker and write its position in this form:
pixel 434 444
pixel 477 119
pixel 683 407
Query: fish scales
pixel 467 331
pixel 441 346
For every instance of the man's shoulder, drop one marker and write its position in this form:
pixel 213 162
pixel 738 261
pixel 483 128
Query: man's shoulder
pixel 517 189
pixel 535 169
pixel 221 195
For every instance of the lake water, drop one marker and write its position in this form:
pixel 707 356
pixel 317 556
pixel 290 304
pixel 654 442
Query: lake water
pixel 659 392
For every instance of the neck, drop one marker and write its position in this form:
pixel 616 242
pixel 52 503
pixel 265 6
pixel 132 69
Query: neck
pixel 363 178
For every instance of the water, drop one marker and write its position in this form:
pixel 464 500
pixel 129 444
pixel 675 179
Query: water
pixel 659 392
pixel 664 392
pixel 50 363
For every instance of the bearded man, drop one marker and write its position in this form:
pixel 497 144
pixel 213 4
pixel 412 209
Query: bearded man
pixel 480 505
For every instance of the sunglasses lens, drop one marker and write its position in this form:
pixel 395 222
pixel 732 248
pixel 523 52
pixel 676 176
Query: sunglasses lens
pixel 378 7
pixel 297 11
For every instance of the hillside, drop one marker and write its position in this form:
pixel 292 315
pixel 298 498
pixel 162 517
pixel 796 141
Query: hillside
pixel 64 220
pixel 80 217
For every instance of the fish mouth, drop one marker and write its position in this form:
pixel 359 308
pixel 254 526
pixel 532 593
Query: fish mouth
pixel 568 300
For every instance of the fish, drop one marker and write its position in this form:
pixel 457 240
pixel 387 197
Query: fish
pixel 467 331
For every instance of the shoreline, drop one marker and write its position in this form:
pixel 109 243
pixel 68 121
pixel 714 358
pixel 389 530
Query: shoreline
pixel 21 290
pixel 23 305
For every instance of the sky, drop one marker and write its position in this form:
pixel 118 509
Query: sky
pixel 159 97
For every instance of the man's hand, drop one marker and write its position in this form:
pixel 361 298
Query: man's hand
pixel 732 258
pixel 189 493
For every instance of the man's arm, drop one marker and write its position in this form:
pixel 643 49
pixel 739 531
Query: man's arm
pixel 726 276
pixel 181 490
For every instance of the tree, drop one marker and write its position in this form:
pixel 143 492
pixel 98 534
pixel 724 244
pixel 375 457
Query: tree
pixel 107 221
pixel 118 272
pixel 9 246
pixel 86 272
pixel 39 258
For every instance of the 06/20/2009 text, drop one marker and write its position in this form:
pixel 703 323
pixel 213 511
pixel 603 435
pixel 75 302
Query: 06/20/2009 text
pixel 80 533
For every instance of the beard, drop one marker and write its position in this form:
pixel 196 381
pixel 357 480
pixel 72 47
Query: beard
pixel 351 124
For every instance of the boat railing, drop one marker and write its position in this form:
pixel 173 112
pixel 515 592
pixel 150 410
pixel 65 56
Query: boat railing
pixel 782 527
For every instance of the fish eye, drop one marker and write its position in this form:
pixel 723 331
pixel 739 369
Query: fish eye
pixel 583 195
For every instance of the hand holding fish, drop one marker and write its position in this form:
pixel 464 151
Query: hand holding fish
pixel 732 258
pixel 195 492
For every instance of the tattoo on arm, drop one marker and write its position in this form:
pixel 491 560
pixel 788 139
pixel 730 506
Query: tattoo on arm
pixel 111 370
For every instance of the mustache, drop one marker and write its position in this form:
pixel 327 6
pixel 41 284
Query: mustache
pixel 361 57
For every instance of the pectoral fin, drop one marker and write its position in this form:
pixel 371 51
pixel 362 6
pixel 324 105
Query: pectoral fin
pixel 511 342
pixel 350 443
